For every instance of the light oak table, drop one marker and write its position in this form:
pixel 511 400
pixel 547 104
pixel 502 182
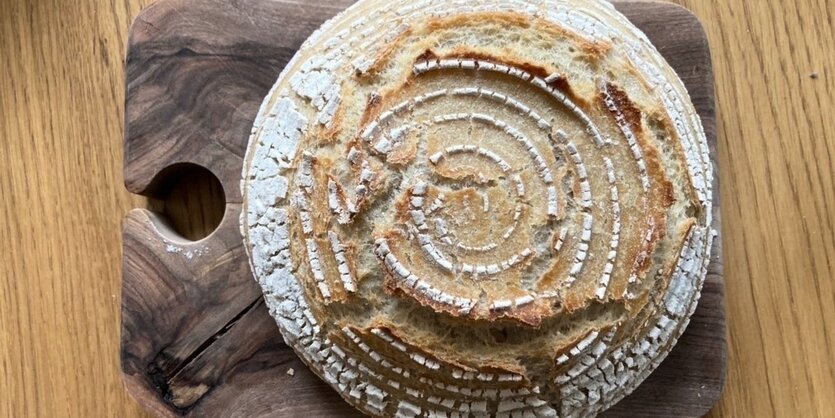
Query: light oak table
pixel 62 201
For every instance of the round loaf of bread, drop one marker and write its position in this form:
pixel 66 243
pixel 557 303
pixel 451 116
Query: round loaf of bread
pixel 479 207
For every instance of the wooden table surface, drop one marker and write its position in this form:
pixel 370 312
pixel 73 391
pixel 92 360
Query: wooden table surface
pixel 62 200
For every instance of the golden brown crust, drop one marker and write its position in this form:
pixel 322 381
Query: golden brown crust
pixel 372 110
pixel 661 197
pixel 508 58
pixel 385 54
pixel 511 19
pixel 623 106
pixel 666 130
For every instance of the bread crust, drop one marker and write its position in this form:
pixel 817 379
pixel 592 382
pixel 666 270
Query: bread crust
pixel 480 208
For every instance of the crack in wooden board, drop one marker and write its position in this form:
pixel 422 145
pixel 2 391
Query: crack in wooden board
pixel 196 338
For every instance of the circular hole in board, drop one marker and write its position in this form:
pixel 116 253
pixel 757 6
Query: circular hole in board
pixel 190 201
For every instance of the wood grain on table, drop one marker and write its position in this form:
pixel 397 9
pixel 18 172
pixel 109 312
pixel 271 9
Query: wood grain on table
pixel 62 199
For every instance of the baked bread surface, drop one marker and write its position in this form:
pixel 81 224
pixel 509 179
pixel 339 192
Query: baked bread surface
pixel 479 208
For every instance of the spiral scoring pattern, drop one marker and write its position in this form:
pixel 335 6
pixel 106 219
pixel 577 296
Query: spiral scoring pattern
pixel 428 226
pixel 477 186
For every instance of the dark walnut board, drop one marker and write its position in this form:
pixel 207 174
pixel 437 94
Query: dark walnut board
pixel 196 336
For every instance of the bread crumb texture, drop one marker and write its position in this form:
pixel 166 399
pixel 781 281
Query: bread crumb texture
pixel 479 208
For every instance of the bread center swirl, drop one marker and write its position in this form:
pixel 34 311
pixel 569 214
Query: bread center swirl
pixel 488 186
pixel 514 191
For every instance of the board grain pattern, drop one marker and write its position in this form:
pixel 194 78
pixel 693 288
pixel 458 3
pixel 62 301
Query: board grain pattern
pixel 196 336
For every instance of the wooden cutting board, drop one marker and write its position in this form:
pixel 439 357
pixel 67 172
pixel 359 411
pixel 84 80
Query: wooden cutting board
pixel 196 336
